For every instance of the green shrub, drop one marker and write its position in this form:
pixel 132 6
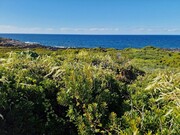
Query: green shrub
pixel 89 91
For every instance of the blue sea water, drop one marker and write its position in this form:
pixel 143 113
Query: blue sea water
pixel 104 41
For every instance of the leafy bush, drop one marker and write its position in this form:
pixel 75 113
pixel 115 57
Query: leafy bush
pixel 89 91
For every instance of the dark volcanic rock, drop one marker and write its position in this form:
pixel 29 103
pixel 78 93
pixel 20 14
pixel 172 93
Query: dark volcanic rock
pixel 6 42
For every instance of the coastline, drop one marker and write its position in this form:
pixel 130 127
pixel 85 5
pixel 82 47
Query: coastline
pixel 12 43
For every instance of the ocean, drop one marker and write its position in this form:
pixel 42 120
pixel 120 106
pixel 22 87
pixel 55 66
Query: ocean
pixel 104 41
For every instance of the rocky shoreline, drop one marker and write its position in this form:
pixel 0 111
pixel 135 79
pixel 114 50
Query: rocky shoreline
pixel 7 42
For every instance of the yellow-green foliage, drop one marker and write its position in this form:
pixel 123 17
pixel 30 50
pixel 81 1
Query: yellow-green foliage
pixel 89 91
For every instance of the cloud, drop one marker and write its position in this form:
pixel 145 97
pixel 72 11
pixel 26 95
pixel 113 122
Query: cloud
pixel 90 30
pixel 173 30
pixel 96 30
pixel 62 30
pixel 157 30
pixel 16 29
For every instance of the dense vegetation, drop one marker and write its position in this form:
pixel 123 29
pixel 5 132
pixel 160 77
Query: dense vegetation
pixel 89 91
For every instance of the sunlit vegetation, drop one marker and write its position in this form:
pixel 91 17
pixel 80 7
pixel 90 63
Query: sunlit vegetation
pixel 89 91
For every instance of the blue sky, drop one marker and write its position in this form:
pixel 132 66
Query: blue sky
pixel 90 16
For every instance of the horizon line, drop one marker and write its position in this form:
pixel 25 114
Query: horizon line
pixel 92 34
